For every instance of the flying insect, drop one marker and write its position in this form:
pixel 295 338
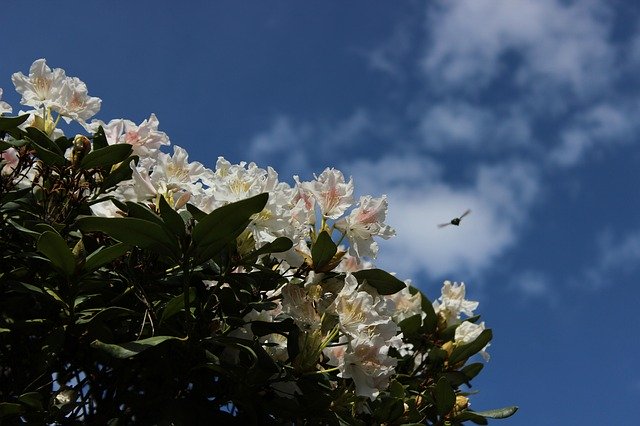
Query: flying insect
pixel 455 221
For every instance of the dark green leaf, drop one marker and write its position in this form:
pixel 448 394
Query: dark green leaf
pixel 14 195
pixel 32 399
pixel 472 416
pixel 323 250
pixel 133 231
pixel 444 396
pixel 141 211
pixel 121 173
pixel 129 349
pixel 431 319
pixel 99 139
pixel 461 353
pixel 279 245
pixel 103 314
pixel 196 212
pixel 262 328
pixel 381 280
pixel 104 255
pixel 411 326
pixel 55 248
pixel 172 219
pixel 176 304
pixel 224 225
pixel 8 123
pixel 48 156
pixel 107 156
pixel 499 413
pixel 41 139
pixel 9 408
pixel 63 143
pixel 472 370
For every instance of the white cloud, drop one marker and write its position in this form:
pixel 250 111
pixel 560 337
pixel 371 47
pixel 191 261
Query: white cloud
pixel 499 198
pixel 534 285
pixel 297 146
pixel 599 124
pixel 447 124
pixel 553 43
pixel 616 254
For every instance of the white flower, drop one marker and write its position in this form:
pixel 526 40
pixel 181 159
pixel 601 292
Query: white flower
pixel 4 107
pixel 367 363
pixel 74 102
pixel 332 194
pixel 364 222
pixel 299 305
pixel 467 332
pixel 406 304
pixel 452 302
pixel 145 138
pixel 42 87
pixel 8 160
pixel 112 130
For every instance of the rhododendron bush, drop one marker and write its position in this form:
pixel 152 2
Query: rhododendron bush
pixel 138 286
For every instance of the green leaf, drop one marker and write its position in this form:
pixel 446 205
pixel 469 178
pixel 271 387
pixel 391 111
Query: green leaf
pixel 411 326
pixel 323 250
pixel 136 232
pixel 104 255
pixel 224 225
pixel 55 248
pixel 172 219
pixel 8 123
pixel 129 349
pixel 99 139
pixel 48 156
pixel 4 330
pixel 121 173
pixel 176 304
pixel 9 408
pixel 444 396
pixel 431 319
pixel 141 211
pixel 474 417
pixel 499 413
pixel 107 156
pixel 279 245
pixel 381 280
pixel 196 212
pixel 41 139
pixel 462 353
pixel 32 399
pixel 472 370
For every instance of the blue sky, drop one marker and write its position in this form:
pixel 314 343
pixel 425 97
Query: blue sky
pixel 524 111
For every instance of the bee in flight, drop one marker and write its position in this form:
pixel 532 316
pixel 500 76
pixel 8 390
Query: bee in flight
pixel 455 221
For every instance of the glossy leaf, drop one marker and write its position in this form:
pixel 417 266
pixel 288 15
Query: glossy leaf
pixel 140 211
pixel 104 255
pixel 444 396
pixel 129 349
pixel 172 219
pixel 55 248
pixel 48 156
pixel 499 413
pixel 381 280
pixel 176 304
pixel 107 156
pixel 225 224
pixel 461 353
pixel 41 139
pixel 32 399
pixel 121 173
pixel 9 408
pixel 279 245
pixel 99 139
pixel 136 232
pixel 8 123
pixel 323 250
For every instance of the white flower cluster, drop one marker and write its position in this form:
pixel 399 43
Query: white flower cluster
pixel 366 323
pixel 451 305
